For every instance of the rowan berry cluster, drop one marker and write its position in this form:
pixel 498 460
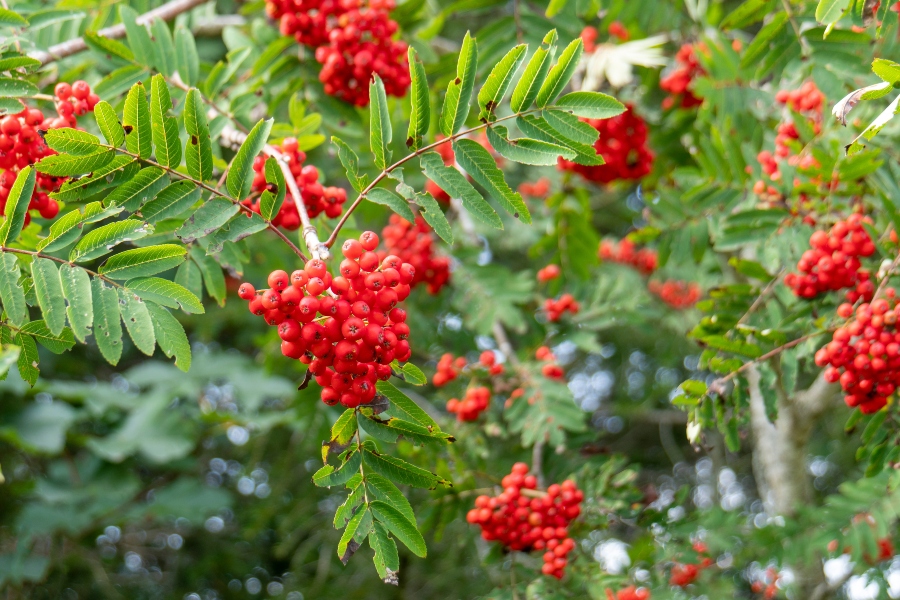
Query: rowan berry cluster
pixel 623 146
pixel 625 252
pixel 684 574
pixel 864 354
pixel 352 40
pixel 555 309
pixel 833 262
pixel 21 144
pixel 524 519
pixel 768 585
pixel 414 244
pixel 629 593
pixel 350 336
pixel 806 100
pixel 679 82
pixel 677 294
pixel 360 46
pixel 617 30
pixel 317 198
pixel 476 401
pixel 590 34
pixel 885 545
pixel 548 273
pixel 449 368
pixel 538 189
pixel 550 369
pixel 589 37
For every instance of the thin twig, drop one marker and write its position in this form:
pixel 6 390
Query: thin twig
pixel 758 302
pixel 166 12
pixel 504 344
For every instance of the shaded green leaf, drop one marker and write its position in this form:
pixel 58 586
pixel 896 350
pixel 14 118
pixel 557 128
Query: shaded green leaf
pixel 480 165
pixel 457 186
pixel 102 240
pixel 136 122
pixel 172 201
pixel 170 336
pixel 76 288
pixel 240 172
pixel 535 73
pixel 459 92
pixel 48 289
pixel 164 128
pixel 380 130
pixel 198 150
pixel 143 262
pixel 498 81
pixel 561 73
pixel 137 321
pixel 211 215
pixel 165 292
pixel 17 206
pixel 11 292
pixel 420 102
pixel 107 325
pixel 591 105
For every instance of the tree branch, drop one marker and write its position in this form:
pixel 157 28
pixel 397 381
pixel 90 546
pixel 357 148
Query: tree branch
pixel 316 248
pixel 166 12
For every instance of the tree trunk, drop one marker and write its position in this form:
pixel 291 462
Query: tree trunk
pixel 779 458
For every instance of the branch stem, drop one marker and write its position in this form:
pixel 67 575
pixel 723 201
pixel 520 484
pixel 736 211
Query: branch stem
pixel 166 12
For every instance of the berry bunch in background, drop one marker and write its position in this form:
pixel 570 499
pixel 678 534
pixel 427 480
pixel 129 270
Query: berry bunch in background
pixel 864 354
pixel 351 39
pixel 833 262
pixel 317 198
pixel 684 574
pixel 625 252
pixel 475 401
pixel 449 368
pixel 349 337
pixel 414 244
pixel 623 146
pixel 768 585
pixel 538 189
pixel 361 45
pixel 548 273
pixel 555 309
pixel 308 21
pixel 550 369
pixel 677 294
pixel 678 83
pixel 629 593
pixel 21 144
pixel 807 101
pixel 524 519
